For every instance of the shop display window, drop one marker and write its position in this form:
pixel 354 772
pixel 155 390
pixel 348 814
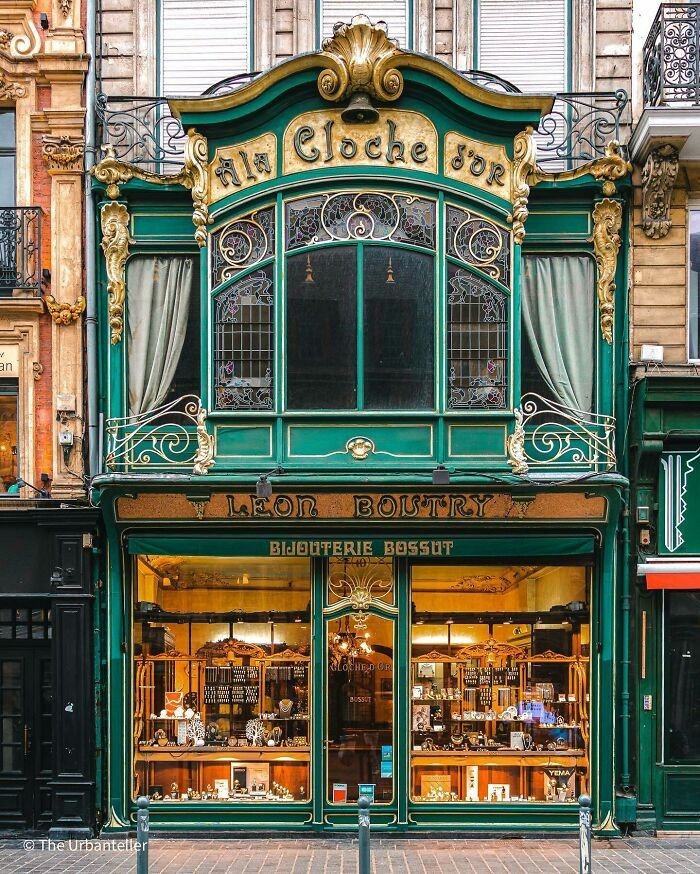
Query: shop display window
pixel 682 674
pixel 499 683
pixel 221 679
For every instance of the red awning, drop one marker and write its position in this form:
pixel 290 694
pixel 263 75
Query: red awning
pixel 673 581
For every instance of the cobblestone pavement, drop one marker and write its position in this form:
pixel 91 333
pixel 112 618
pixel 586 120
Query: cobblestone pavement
pixel 326 856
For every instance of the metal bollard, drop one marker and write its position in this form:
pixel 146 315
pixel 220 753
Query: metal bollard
pixel 142 829
pixel 363 829
pixel 584 834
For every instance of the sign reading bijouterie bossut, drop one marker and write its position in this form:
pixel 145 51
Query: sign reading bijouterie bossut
pixel 403 506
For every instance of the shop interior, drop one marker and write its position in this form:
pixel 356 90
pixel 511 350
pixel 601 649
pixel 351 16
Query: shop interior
pixel 497 685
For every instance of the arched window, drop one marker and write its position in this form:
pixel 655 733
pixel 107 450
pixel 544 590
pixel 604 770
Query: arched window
pixel 354 301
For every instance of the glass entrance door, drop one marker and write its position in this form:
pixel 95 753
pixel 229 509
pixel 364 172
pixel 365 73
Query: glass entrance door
pixel 359 724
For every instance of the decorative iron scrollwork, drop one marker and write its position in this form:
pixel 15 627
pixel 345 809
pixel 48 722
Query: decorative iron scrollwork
pixel 172 435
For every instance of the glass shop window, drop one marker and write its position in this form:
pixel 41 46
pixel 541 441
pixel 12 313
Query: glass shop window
pixel 360 310
pixel 499 683
pixel 8 158
pixel 163 315
pixel 221 679
pixel 9 437
pixel 682 676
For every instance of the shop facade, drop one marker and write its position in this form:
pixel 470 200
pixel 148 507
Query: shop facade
pixel 360 486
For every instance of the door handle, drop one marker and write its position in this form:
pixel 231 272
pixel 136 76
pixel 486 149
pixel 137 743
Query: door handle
pixel 27 740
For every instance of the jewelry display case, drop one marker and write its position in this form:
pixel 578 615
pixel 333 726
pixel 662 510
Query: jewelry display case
pixel 484 729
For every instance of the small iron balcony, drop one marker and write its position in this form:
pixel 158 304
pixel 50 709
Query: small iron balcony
pixel 672 56
pixel 20 251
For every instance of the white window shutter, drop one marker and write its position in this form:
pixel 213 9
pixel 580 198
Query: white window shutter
pixel 394 12
pixel 524 42
pixel 202 42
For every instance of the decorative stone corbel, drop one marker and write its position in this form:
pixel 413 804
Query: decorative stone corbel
pixel 114 218
pixel 64 313
pixel 360 59
pixel 524 164
pixel 63 153
pixel 658 176
pixel 607 221
pixel 515 445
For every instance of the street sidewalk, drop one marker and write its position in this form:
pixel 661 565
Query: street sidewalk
pixel 544 855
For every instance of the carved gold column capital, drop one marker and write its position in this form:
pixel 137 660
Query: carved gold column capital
pixel 63 153
pixel 64 313
pixel 114 218
pixel 197 180
pixel 11 90
pixel 658 177
pixel 607 221
pixel 524 164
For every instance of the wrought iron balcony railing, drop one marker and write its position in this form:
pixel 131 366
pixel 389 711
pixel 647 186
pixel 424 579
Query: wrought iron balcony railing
pixel 20 250
pixel 672 56
pixel 142 131
pixel 171 437
pixel 557 437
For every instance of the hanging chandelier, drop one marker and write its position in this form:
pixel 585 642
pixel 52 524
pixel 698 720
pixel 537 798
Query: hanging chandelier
pixel 347 644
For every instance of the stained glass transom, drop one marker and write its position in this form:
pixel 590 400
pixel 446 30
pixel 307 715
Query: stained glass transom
pixel 243 315
pixel 477 351
pixel 241 244
pixel 479 243
pixel 369 215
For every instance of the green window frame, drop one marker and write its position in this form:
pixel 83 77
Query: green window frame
pixel 473 272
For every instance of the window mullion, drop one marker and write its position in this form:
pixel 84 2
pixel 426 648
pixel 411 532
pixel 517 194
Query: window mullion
pixel 360 330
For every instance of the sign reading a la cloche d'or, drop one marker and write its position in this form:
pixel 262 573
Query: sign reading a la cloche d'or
pixel 399 139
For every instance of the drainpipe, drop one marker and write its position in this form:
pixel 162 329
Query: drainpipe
pixel 625 661
pixel 90 271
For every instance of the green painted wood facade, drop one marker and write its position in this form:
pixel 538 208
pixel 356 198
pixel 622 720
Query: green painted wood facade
pixel 311 448
pixel 665 422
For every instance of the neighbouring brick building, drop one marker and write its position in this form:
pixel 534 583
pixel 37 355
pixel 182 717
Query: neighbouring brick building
pixel 46 524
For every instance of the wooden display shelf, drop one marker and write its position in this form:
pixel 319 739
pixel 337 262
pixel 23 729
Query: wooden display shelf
pixel 233 754
pixel 506 758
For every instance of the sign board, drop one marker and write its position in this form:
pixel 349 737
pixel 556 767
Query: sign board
pixel 679 512
pixel 9 360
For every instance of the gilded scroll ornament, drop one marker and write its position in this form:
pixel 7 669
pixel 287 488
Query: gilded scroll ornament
pixel 524 164
pixel 11 90
pixel 204 458
pixel 608 170
pixel 112 172
pixel 115 244
pixel 64 313
pixel 359 57
pixel 658 177
pixel 197 180
pixel 63 153
pixel 607 221
pixel 360 448
pixel 515 445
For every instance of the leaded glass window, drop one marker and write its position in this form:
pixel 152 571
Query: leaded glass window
pixel 478 242
pixel 241 244
pixel 243 352
pixel 365 215
pixel 477 337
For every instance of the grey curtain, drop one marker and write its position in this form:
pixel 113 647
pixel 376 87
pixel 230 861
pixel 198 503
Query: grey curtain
pixel 558 310
pixel 157 306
